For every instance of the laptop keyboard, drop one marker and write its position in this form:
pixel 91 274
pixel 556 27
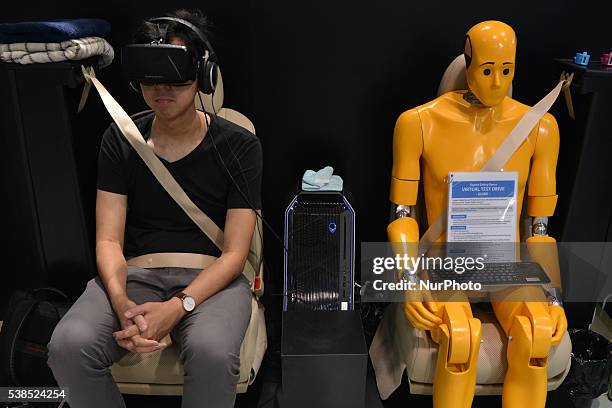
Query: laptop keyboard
pixel 510 273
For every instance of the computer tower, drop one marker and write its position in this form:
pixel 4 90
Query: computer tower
pixel 320 252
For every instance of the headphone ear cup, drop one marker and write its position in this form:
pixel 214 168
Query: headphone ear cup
pixel 207 76
pixel 214 72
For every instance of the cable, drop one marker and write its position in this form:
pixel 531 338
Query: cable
pixel 246 182
pixel 244 197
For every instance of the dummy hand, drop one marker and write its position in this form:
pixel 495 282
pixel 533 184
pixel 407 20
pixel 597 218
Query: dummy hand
pixel 129 337
pixel 161 317
pixel 559 323
pixel 421 310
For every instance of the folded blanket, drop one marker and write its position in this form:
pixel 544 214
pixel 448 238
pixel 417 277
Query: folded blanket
pixel 54 31
pixel 78 49
pixel 322 180
pixel 318 178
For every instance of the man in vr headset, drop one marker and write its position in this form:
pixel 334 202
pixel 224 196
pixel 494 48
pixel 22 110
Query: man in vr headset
pixel 132 308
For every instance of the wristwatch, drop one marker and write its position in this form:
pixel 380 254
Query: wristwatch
pixel 188 302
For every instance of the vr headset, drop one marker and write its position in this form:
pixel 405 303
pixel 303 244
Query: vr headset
pixel 161 63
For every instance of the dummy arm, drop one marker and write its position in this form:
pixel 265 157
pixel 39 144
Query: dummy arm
pixel 403 231
pixel 542 197
pixel 407 150
pixel 541 202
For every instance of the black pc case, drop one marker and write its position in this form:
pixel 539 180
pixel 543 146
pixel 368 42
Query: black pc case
pixel 319 261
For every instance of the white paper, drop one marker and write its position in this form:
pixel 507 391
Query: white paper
pixel 482 209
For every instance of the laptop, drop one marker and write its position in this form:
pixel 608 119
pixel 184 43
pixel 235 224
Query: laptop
pixel 494 275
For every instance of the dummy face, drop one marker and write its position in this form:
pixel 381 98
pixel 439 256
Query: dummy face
pixel 169 101
pixel 491 46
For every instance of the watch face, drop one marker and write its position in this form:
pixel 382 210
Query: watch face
pixel 188 303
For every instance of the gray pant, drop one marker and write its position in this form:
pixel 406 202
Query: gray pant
pixel 82 347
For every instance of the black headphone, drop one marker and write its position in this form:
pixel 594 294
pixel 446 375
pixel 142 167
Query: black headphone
pixel 206 70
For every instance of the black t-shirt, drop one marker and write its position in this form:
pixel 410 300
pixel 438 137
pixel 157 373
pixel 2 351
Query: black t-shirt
pixel 155 223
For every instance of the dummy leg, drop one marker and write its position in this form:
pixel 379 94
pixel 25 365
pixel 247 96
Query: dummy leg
pixel 529 329
pixel 459 340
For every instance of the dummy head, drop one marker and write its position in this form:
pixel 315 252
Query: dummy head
pixel 490 53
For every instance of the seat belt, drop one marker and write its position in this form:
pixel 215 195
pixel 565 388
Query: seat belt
pixel 161 173
pixel 503 153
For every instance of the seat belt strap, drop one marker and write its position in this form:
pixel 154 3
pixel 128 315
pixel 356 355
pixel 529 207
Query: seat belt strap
pixel 172 259
pixel 521 131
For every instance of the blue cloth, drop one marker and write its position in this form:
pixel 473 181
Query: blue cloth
pixel 54 31
pixel 322 180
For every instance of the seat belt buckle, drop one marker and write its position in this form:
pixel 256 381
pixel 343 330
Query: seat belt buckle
pixel 257 283
pixel 257 287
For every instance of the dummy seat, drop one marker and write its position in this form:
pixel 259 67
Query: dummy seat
pixel 404 347
pixel 415 351
pixel 161 372
pixel 399 346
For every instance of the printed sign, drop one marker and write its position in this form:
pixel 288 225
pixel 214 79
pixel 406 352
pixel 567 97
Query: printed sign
pixel 482 209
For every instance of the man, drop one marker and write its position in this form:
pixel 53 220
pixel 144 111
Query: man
pixel 207 311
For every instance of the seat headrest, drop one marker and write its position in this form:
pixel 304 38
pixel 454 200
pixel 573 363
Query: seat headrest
pixel 208 99
pixel 454 78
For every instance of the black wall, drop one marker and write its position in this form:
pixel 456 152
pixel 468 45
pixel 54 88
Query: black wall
pixel 324 81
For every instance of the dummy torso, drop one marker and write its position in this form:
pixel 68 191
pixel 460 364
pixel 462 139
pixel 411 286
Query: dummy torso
pixel 450 134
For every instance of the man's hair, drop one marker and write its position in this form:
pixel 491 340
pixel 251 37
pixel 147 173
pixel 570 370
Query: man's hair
pixel 148 32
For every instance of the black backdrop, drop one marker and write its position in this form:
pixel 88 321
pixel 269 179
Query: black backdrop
pixel 324 81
